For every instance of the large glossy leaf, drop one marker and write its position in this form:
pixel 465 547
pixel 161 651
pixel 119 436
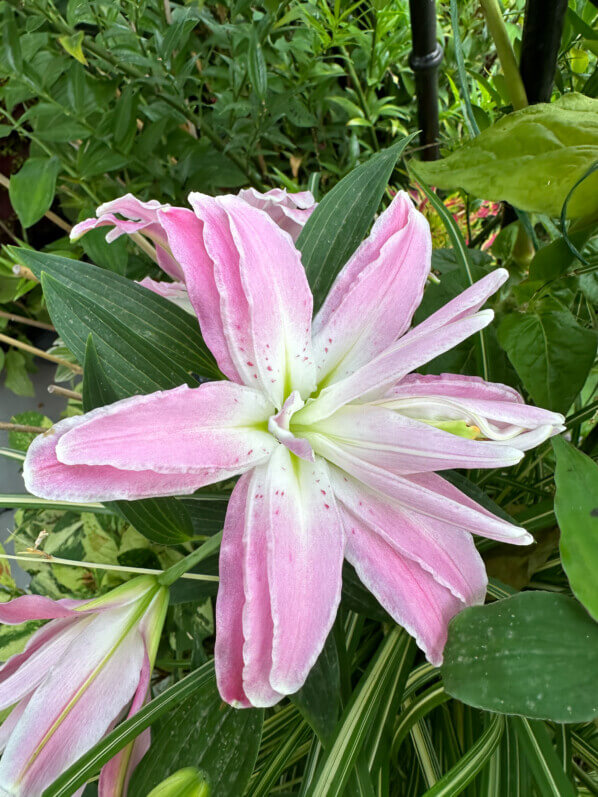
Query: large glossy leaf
pixel 146 343
pixel 203 732
pixel 162 520
pixel 530 158
pixel 551 353
pixel 32 189
pixel 342 218
pixel 576 508
pixel 90 764
pixel 532 654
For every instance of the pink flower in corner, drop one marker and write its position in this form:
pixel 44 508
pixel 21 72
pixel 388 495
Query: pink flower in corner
pixel 336 441
pixel 128 215
pixel 76 677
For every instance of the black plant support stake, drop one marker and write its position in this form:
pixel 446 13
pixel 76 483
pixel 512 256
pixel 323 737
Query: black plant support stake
pixel 424 60
pixel 542 31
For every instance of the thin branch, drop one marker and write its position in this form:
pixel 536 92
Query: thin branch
pixel 41 353
pixel 62 391
pixel 21 319
pixel 21 427
pixel 46 558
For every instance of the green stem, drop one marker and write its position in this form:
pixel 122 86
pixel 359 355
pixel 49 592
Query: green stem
pixel 506 56
pixel 179 569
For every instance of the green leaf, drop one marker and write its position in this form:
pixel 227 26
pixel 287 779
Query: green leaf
pixel 532 654
pixel 22 440
pixel 530 158
pixel 363 707
pixel 32 189
pixel 26 501
pixel 465 770
pixel 73 45
pixel 162 520
pixel 205 733
pixel 576 508
pixel 319 697
pixel 186 782
pixel 542 758
pixel 90 764
pixel 145 342
pixel 256 66
pixel 16 378
pixel 551 353
pixel 341 220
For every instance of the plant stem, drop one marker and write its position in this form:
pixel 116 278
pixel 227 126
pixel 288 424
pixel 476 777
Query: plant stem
pixel 179 569
pixel 21 319
pixel 62 391
pixel 506 56
pixel 56 560
pixel 40 353
pixel 20 427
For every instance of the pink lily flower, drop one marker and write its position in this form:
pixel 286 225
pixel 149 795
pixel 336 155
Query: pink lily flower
pixel 128 215
pixel 75 679
pixel 336 443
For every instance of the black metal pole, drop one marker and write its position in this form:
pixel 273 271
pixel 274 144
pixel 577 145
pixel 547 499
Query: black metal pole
pixel 424 60
pixel 542 32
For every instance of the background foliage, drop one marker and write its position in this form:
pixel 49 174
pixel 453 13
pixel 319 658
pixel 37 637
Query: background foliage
pixel 160 98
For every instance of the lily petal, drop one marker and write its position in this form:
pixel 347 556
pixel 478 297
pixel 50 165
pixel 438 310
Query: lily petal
pixel 36 607
pixel 116 774
pixel 185 233
pixel 24 672
pixel 372 301
pixel 279 300
pixel 288 211
pixel 409 594
pixel 134 216
pixel 118 451
pixel 498 410
pixel 404 445
pixel 228 653
pixel 424 493
pixel 258 627
pixel 446 552
pixel 410 352
pixel 305 555
pixel 466 303
pixel 75 705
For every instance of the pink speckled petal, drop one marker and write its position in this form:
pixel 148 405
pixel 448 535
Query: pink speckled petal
pixel 446 552
pixel 372 301
pixel 228 653
pixel 425 493
pixel 408 593
pixel 185 232
pixel 279 301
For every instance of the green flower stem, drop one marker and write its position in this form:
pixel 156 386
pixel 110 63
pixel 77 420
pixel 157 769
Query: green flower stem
pixel 179 569
pixel 506 56
pixel 41 559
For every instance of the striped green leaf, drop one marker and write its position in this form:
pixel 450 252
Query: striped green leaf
pixel 457 779
pixel 363 708
pixel 542 758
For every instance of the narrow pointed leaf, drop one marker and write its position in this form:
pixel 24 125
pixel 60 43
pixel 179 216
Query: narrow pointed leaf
pixel 146 342
pixel 542 758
